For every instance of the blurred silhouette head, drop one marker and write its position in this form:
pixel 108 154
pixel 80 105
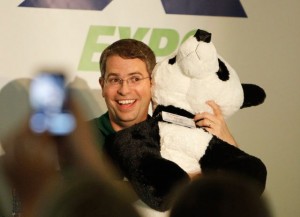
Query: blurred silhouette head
pixel 220 196
pixel 14 104
pixel 89 197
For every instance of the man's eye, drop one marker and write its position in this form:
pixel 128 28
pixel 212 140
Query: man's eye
pixel 113 80
pixel 135 79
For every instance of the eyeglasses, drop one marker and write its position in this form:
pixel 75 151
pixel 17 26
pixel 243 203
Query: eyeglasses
pixel 133 80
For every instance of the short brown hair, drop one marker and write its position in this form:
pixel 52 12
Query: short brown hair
pixel 128 49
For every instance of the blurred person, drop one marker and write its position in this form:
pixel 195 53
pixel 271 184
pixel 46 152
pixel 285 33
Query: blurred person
pixel 220 195
pixel 5 194
pixel 14 107
pixel 38 165
pixel 88 197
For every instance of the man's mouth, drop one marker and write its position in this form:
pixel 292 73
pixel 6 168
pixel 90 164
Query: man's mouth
pixel 126 102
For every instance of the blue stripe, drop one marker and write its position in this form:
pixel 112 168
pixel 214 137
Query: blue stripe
pixel 231 8
pixel 67 4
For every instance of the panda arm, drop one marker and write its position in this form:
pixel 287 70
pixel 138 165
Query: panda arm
pixel 223 157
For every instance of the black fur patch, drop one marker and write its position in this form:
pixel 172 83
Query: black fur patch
pixel 223 157
pixel 202 35
pixel 253 95
pixel 135 151
pixel 223 72
pixel 172 61
pixel 172 109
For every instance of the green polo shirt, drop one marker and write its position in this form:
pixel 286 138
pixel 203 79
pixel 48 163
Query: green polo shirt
pixel 102 128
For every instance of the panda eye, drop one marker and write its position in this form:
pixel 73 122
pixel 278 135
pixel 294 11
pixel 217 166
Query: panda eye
pixel 223 72
pixel 172 60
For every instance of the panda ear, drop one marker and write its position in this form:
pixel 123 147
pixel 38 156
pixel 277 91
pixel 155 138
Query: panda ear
pixel 202 35
pixel 253 95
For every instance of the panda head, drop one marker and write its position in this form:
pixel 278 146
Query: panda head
pixel 196 74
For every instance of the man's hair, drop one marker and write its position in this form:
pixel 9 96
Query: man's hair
pixel 128 49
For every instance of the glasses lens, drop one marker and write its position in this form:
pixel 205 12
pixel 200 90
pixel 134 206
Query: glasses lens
pixel 113 81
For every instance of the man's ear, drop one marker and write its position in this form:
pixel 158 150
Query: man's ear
pixel 101 82
pixel 151 80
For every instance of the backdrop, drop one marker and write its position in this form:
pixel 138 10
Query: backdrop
pixel 259 38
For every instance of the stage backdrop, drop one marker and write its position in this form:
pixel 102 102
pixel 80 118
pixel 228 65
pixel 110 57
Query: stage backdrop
pixel 259 38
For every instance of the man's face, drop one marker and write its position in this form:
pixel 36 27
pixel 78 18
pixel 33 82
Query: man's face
pixel 127 103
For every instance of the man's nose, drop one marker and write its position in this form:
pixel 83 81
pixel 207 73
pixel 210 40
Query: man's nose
pixel 123 88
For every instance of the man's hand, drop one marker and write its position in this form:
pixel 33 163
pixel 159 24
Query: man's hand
pixel 215 123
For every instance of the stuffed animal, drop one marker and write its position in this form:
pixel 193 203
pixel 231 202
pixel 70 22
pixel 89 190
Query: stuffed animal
pixel 157 155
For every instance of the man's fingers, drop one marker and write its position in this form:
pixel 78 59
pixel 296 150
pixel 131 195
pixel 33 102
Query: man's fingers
pixel 215 107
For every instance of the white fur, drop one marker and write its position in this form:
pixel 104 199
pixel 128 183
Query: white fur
pixel 183 145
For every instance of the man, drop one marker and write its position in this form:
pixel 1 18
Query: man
pixel 126 67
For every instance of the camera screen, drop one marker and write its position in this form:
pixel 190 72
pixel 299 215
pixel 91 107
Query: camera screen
pixel 47 96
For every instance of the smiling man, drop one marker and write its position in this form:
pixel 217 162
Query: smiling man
pixel 126 89
pixel 126 67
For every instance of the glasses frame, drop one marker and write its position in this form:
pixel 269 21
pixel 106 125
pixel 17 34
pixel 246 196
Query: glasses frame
pixel 130 82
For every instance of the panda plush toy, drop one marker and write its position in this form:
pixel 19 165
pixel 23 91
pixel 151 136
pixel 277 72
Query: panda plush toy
pixel 157 155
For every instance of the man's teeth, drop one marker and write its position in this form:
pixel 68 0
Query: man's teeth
pixel 125 102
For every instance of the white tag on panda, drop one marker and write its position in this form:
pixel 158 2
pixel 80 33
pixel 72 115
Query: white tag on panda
pixel 179 120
